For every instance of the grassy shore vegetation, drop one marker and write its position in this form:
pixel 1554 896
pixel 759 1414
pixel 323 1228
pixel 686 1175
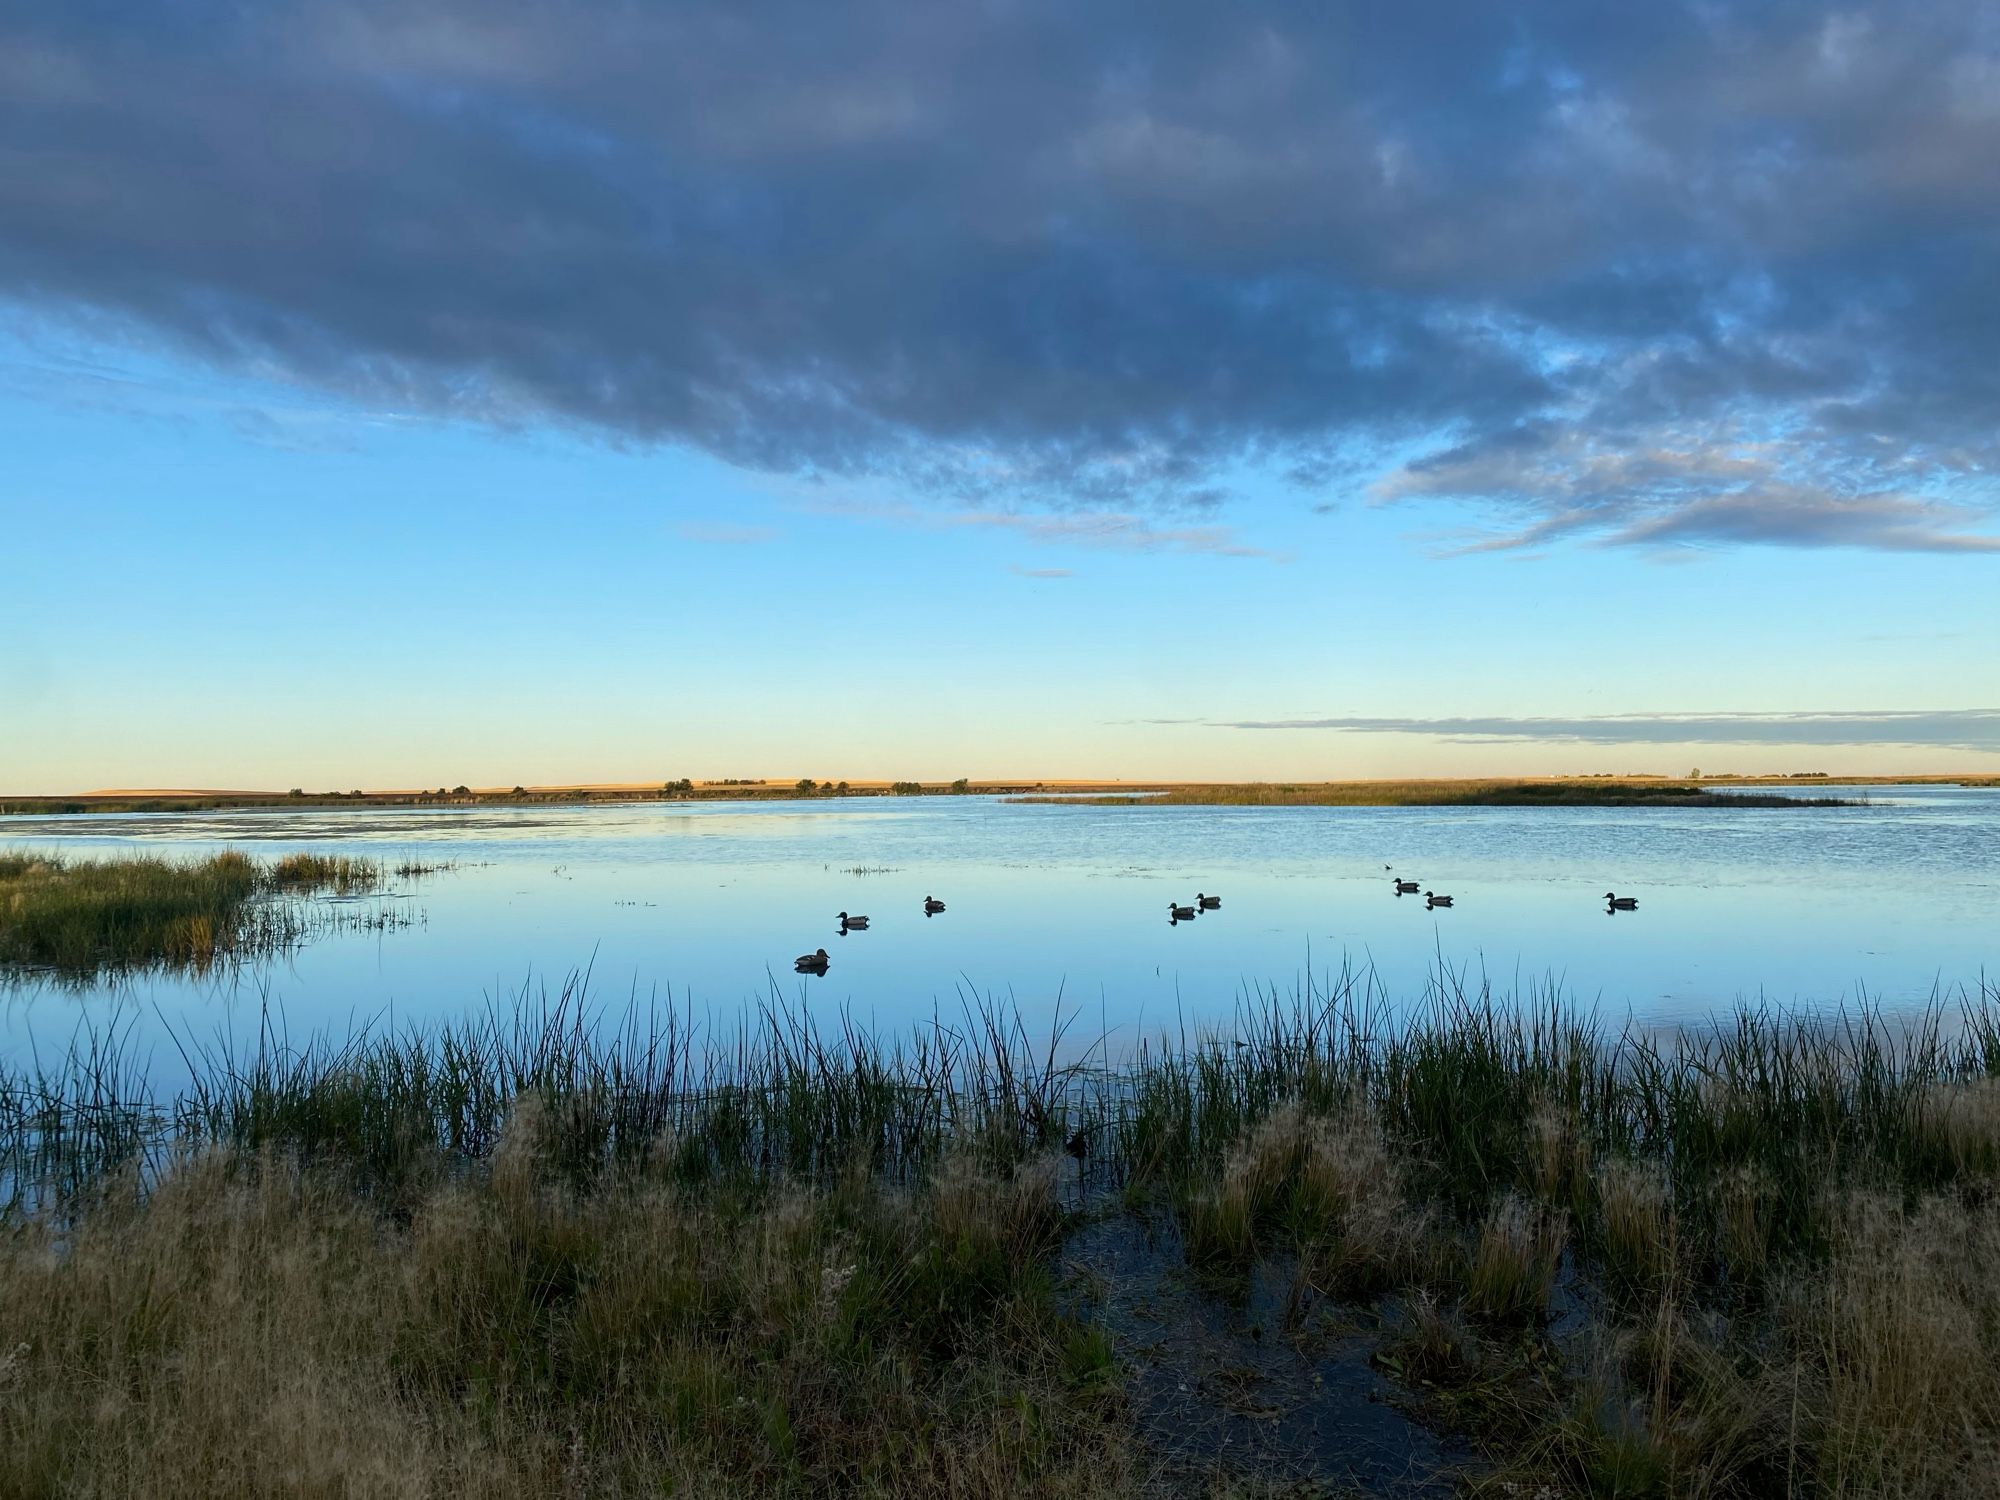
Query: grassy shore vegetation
pixel 80 918
pixel 682 789
pixel 548 1251
pixel 1597 790
pixel 1569 792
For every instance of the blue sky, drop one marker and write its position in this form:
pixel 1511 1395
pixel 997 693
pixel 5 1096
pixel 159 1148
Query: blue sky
pixel 488 417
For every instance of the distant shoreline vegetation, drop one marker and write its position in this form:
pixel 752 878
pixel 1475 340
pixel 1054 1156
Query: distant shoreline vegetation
pixel 727 789
pixel 1531 791
pixel 1582 792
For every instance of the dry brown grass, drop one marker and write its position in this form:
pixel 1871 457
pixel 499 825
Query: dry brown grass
pixel 1873 1373
pixel 1744 1201
pixel 1331 1191
pixel 1558 1157
pixel 1961 1124
pixel 1513 1267
pixel 1635 1222
pixel 252 1330
pixel 1900 1342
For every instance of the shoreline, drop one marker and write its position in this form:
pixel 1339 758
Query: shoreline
pixel 1607 791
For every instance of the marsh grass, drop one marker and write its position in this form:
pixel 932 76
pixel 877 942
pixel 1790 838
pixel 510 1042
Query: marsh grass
pixel 1514 1261
pixel 249 1327
pixel 1757 1256
pixel 341 874
pixel 79 919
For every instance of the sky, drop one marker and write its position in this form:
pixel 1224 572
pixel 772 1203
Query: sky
pixel 413 392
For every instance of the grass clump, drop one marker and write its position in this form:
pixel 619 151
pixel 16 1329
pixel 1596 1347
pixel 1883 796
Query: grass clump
pixel 1330 1191
pixel 81 918
pixel 340 874
pixel 1635 1222
pixel 1514 1263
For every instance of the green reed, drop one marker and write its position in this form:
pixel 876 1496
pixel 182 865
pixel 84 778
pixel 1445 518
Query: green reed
pixel 1468 1085
pixel 77 919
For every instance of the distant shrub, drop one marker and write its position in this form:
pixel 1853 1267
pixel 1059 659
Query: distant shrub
pixel 906 788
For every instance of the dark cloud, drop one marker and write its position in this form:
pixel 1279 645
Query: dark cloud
pixel 1953 729
pixel 1668 274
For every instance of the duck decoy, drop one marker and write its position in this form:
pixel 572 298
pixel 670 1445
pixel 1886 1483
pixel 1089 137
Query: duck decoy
pixel 1431 898
pixel 1207 903
pixel 1405 887
pixel 932 906
pixel 1178 913
pixel 811 963
pixel 1621 903
pixel 854 924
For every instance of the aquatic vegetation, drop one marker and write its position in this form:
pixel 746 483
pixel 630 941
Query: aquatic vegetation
pixel 418 869
pixel 1756 1256
pixel 341 874
pixel 79 918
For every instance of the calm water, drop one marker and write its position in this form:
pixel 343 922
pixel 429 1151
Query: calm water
pixel 712 902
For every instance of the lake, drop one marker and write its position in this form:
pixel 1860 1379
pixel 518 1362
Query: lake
pixel 710 903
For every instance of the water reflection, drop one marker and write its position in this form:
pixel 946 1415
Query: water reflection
pixel 1057 907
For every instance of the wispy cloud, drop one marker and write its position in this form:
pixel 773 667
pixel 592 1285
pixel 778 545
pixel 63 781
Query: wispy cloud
pixel 1116 533
pixel 723 534
pixel 1798 517
pixel 1020 572
pixel 1677 489
pixel 1097 530
pixel 1954 729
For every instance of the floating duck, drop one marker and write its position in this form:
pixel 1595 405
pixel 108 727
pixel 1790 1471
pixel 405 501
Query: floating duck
pixel 932 906
pixel 856 924
pixel 1405 887
pixel 1621 903
pixel 1178 913
pixel 811 963
pixel 1431 898
pixel 1207 903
